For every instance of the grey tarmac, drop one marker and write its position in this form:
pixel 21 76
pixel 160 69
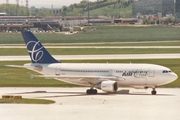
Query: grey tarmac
pixel 97 57
pixel 99 47
pixel 74 104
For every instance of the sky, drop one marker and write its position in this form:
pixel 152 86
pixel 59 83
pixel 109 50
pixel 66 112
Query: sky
pixel 45 3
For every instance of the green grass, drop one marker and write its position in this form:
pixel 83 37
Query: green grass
pixel 159 43
pixel 26 101
pixel 91 51
pixel 153 43
pixel 19 77
pixel 137 44
pixel 103 34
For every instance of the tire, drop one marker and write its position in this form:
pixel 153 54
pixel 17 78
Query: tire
pixel 95 91
pixel 91 91
pixel 88 91
pixel 153 92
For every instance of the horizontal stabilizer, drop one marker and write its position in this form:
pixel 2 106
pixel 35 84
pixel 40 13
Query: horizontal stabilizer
pixel 17 66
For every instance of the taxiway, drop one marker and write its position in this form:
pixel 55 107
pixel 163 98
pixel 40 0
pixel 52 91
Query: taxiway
pixel 97 57
pixel 98 47
pixel 74 104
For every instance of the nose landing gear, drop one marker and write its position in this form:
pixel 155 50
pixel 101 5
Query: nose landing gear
pixel 153 92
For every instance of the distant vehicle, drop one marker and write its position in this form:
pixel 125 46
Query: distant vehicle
pixel 106 77
pixel 57 30
pixel 87 24
pixel 171 24
pixel 71 30
pixel 2 14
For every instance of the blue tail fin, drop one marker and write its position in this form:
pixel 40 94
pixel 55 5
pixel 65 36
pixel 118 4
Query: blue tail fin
pixel 36 50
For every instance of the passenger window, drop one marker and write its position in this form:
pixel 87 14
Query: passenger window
pixel 165 71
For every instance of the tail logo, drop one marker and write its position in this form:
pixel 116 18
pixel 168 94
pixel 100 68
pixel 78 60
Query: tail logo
pixel 36 53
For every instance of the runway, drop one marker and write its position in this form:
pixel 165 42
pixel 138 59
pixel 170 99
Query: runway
pixel 97 57
pixel 98 47
pixel 74 104
pixel 94 43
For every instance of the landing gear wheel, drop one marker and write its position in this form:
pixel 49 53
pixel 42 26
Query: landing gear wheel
pixel 94 91
pixel 88 91
pixel 91 91
pixel 153 92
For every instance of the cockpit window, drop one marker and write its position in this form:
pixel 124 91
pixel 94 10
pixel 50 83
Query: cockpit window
pixel 165 71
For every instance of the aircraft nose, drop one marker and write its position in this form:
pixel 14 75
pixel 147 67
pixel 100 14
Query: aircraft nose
pixel 170 77
pixel 174 76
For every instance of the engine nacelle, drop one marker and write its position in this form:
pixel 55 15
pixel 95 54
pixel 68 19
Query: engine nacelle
pixel 108 86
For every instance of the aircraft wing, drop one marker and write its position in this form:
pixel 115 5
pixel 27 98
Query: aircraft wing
pixel 89 79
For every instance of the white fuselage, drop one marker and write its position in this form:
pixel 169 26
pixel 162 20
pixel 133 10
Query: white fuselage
pixel 92 73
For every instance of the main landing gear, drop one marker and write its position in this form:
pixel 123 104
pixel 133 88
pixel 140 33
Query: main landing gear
pixel 91 90
pixel 153 92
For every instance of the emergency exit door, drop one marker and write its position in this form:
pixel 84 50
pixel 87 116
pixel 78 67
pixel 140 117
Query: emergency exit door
pixel 57 71
pixel 151 72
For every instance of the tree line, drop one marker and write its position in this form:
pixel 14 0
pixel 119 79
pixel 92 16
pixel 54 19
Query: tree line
pixel 14 10
pixel 73 10
pixel 96 5
pixel 82 8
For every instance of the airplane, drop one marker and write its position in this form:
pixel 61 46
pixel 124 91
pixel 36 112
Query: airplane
pixel 104 76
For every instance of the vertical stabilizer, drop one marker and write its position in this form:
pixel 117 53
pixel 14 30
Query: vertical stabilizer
pixel 37 52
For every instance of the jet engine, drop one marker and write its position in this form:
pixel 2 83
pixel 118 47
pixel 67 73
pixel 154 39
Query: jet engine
pixel 108 86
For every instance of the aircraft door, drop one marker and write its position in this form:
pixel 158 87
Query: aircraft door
pixel 110 72
pixel 57 71
pixel 151 72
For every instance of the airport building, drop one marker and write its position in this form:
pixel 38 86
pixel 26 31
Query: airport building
pixel 81 20
pixel 152 7
pixel 177 10
pixel 18 23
